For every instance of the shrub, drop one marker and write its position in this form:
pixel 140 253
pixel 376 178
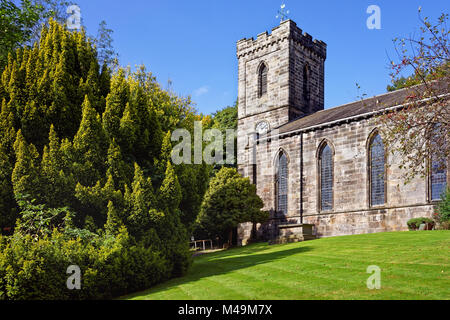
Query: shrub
pixel 444 207
pixel 110 267
pixel 414 224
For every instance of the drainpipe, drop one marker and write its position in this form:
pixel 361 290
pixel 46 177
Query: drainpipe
pixel 301 178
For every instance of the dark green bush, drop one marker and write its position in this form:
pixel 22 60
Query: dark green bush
pixel 414 224
pixel 110 267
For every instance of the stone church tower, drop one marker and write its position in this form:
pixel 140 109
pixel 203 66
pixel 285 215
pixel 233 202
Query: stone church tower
pixel 281 78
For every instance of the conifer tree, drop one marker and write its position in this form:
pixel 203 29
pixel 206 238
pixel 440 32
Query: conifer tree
pixel 121 171
pixel 113 221
pixel 106 53
pixel 169 195
pixel 94 200
pixel 115 104
pixel 7 201
pixel 90 147
pixel 25 176
pixel 142 203
pixel 129 126
pixel 57 183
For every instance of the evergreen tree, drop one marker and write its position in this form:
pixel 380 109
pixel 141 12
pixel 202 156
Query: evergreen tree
pixel 25 176
pixel 8 208
pixel 229 200
pixel 57 181
pixel 169 195
pixel 94 200
pixel 106 54
pixel 115 104
pixel 142 204
pixel 113 221
pixel 121 171
pixel 90 147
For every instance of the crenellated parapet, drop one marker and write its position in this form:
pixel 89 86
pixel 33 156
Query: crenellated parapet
pixel 287 30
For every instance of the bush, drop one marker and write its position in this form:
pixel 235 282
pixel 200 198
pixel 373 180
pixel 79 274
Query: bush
pixel 414 224
pixel 110 267
pixel 444 207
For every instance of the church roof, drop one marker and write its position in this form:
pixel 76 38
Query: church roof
pixel 357 109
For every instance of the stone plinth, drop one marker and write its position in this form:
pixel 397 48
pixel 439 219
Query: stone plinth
pixel 294 233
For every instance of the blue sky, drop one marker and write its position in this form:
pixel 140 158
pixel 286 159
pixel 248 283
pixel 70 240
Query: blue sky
pixel 193 43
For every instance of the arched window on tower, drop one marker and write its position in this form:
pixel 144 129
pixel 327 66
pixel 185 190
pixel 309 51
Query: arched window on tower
pixel 377 171
pixel 326 178
pixel 281 187
pixel 262 85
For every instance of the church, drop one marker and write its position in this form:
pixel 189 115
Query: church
pixel 319 172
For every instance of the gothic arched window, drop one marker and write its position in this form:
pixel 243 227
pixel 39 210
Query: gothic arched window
pixel 326 178
pixel 262 81
pixel 282 184
pixel 438 179
pixel 377 171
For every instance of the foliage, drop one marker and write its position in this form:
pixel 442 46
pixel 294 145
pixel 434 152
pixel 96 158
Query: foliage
pixel 229 200
pixel 106 53
pixel 91 152
pixel 444 210
pixel 16 25
pixel 414 224
pixel 411 134
pixel 226 119
pixel 110 266
pixel 37 220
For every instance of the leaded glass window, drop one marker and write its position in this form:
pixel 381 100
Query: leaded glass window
pixel 326 178
pixel 438 179
pixel 377 171
pixel 282 184
pixel 262 80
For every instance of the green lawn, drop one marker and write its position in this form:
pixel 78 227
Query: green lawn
pixel 414 265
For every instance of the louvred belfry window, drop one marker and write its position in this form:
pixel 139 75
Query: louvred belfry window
pixel 262 80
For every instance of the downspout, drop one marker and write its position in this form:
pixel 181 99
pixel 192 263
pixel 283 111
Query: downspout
pixel 301 178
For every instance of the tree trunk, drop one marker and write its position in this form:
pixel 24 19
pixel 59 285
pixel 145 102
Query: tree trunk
pixel 230 238
pixel 253 234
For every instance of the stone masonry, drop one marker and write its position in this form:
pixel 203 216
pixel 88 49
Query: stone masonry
pixel 298 126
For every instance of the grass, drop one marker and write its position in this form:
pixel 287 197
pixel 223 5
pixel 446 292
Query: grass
pixel 414 265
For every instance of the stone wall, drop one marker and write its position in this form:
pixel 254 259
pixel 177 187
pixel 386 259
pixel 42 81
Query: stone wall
pixel 351 213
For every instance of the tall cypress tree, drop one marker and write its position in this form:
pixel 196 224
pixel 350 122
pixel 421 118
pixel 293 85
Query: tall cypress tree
pixel 25 176
pixel 90 147
pixel 169 194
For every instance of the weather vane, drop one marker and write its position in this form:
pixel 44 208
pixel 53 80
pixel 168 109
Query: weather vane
pixel 282 15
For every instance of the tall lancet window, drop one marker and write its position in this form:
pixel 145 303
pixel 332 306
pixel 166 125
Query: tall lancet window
pixel 282 184
pixel 438 165
pixel 326 178
pixel 377 171
pixel 438 178
pixel 262 85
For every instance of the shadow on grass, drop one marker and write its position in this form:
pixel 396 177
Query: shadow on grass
pixel 222 263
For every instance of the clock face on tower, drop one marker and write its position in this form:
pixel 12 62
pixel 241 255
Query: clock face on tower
pixel 262 127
